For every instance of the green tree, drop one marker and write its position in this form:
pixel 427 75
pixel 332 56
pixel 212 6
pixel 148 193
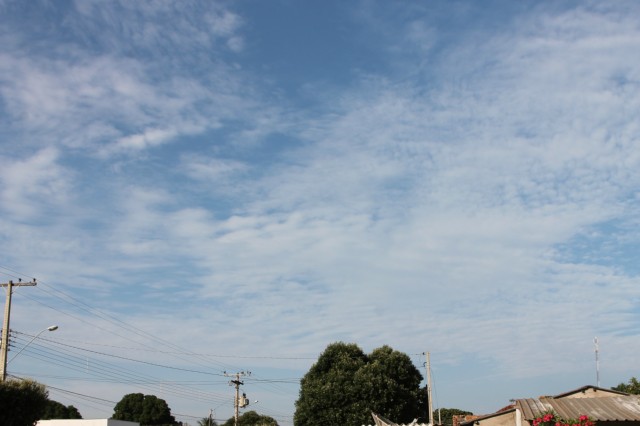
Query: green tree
pixel 633 387
pixel 22 402
pixel 56 410
pixel 145 409
pixel 423 405
pixel 207 421
pixel 251 418
pixel 445 415
pixel 391 384
pixel 345 385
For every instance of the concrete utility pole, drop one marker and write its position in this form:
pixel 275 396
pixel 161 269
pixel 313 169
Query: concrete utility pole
pixel 4 345
pixel 238 401
pixel 429 403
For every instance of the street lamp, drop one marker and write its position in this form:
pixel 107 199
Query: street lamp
pixel 50 328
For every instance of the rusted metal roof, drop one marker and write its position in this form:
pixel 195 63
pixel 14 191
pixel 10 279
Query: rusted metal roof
pixel 614 408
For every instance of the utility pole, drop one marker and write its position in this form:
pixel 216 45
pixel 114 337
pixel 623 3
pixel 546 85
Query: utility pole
pixel 238 402
pixel 4 345
pixel 429 403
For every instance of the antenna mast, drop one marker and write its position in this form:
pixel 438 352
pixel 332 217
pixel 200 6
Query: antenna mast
pixel 595 342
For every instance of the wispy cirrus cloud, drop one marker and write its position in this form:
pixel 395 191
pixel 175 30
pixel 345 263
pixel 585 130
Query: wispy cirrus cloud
pixel 88 93
pixel 30 185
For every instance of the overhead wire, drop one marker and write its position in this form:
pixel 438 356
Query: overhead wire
pixel 153 386
pixel 69 359
pixel 197 358
pixel 86 400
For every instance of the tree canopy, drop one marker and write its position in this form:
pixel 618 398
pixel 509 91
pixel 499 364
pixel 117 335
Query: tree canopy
pixel 22 402
pixel 345 385
pixel 207 421
pixel 632 387
pixel 251 418
pixel 445 415
pixel 56 410
pixel 144 409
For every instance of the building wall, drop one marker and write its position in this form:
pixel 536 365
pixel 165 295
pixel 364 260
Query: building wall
pixel 462 418
pixel 591 393
pixel 86 422
pixel 505 419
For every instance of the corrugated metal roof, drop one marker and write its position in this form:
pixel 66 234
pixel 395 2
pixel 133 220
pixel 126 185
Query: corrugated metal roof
pixel 531 408
pixel 614 408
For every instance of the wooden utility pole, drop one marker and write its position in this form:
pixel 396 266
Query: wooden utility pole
pixel 4 345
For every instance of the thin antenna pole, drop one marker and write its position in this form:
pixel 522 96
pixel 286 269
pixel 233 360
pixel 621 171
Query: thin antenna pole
pixel 595 341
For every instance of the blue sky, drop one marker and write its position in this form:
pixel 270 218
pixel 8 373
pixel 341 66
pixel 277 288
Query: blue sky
pixel 224 186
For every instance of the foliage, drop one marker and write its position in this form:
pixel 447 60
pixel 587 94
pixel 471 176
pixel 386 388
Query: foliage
pixel 251 418
pixel 22 402
pixel 633 387
pixel 207 421
pixel 551 419
pixel 345 385
pixel 56 410
pixel 423 405
pixel 445 415
pixel 144 409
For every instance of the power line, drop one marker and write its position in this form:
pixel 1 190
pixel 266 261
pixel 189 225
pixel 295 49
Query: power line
pixel 109 372
pixel 103 370
pixel 134 360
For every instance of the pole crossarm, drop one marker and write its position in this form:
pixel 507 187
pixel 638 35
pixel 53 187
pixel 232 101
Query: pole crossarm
pixel 20 283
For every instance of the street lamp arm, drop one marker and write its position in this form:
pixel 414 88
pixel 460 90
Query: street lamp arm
pixel 51 328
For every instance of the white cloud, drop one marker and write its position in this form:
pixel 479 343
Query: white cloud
pixel 31 185
pixel 159 25
pixel 107 103
pixel 212 170
pixel 455 198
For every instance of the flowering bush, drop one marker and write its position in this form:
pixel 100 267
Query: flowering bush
pixel 551 419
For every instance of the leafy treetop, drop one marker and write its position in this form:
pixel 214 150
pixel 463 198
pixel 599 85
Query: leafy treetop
pixel 251 418
pixel 22 402
pixel 56 410
pixel 144 409
pixel 632 387
pixel 345 385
